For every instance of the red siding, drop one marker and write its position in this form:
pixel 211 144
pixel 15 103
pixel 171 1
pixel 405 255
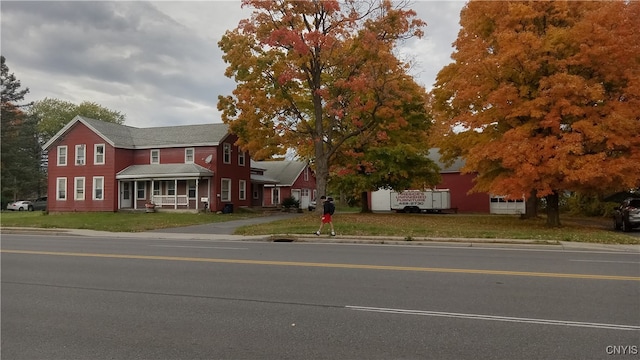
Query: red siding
pixel 118 159
pixel 301 183
pixel 232 171
pixel 78 135
pixel 459 186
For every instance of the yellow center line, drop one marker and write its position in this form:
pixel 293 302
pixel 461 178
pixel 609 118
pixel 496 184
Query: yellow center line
pixel 329 265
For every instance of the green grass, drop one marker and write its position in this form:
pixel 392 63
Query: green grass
pixel 411 227
pixel 117 222
pixel 419 226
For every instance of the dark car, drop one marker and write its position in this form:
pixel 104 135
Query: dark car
pixel 39 203
pixel 627 215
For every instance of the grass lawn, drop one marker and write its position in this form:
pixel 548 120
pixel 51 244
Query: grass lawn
pixel 417 226
pixel 117 222
pixel 409 226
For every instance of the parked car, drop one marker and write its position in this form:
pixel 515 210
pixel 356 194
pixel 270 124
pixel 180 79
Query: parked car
pixel 40 203
pixel 312 205
pixel 20 205
pixel 627 215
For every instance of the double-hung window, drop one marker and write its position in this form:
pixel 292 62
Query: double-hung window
pixel 225 190
pixel 80 154
pixel 155 156
pixel 188 155
pixel 241 158
pixel 98 188
pixel 62 155
pixel 79 188
pixel 192 189
pixel 242 190
pixel 226 153
pixel 141 189
pixel 98 154
pixel 61 188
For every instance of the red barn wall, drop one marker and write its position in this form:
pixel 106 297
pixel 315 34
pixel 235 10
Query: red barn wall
pixel 459 186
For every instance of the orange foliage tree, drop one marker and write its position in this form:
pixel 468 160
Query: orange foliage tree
pixel 316 75
pixel 544 97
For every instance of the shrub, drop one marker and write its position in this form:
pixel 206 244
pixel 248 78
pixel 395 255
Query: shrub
pixel 290 203
pixel 589 205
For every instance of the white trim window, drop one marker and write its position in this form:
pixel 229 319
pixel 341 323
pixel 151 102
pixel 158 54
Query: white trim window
pixel 61 188
pixel 81 151
pixel 78 188
pixel 154 156
pixel 98 188
pixel 226 153
pixel 306 173
pixel 275 196
pixel 191 189
pixel 242 189
pixel 62 155
pixel 141 190
pixel 189 155
pixel 98 154
pixel 241 158
pixel 225 189
pixel 171 188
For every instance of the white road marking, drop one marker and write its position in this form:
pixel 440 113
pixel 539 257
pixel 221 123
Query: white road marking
pixel 496 318
pixel 200 247
pixel 608 261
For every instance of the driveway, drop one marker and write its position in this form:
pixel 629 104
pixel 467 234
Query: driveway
pixel 226 227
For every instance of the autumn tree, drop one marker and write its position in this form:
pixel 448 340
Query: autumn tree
pixel 396 158
pixel 53 114
pixel 543 97
pixel 320 77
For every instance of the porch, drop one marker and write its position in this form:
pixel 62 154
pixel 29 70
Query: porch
pixel 177 187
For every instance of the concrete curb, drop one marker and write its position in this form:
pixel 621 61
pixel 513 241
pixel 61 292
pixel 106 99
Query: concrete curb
pixel 345 239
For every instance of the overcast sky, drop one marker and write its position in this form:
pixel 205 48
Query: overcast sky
pixel 158 62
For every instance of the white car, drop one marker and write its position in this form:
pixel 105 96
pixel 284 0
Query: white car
pixel 20 206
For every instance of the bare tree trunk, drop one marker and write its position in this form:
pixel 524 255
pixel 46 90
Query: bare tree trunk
pixel 364 200
pixel 531 206
pixel 553 209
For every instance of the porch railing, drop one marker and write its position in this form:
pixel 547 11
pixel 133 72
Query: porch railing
pixel 170 200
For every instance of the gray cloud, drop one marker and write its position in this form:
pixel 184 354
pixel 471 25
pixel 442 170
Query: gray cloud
pixel 157 62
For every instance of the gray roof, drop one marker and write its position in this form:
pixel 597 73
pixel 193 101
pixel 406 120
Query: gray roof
pixel 123 136
pixel 261 179
pixel 434 155
pixel 285 172
pixel 164 171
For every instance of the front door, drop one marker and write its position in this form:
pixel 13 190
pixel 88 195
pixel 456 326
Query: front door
pixel 125 195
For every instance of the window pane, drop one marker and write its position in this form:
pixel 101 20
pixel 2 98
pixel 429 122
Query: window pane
pixel 99 154
pixel 192 188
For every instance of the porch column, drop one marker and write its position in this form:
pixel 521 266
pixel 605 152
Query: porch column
pixel 175 194
pixel 151 199
pixel 134 198
pixel 197 198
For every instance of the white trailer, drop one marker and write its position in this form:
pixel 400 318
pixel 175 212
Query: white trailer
pixel 417 201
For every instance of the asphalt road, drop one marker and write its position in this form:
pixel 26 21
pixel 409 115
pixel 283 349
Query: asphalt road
pixel 67 297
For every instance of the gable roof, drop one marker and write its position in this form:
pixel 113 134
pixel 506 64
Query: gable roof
pixel 129 137
pixel 285 172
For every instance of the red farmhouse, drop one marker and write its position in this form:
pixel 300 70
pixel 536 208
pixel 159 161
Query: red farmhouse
pixel 100 166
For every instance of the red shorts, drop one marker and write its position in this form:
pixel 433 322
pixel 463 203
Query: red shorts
pixel 326 218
